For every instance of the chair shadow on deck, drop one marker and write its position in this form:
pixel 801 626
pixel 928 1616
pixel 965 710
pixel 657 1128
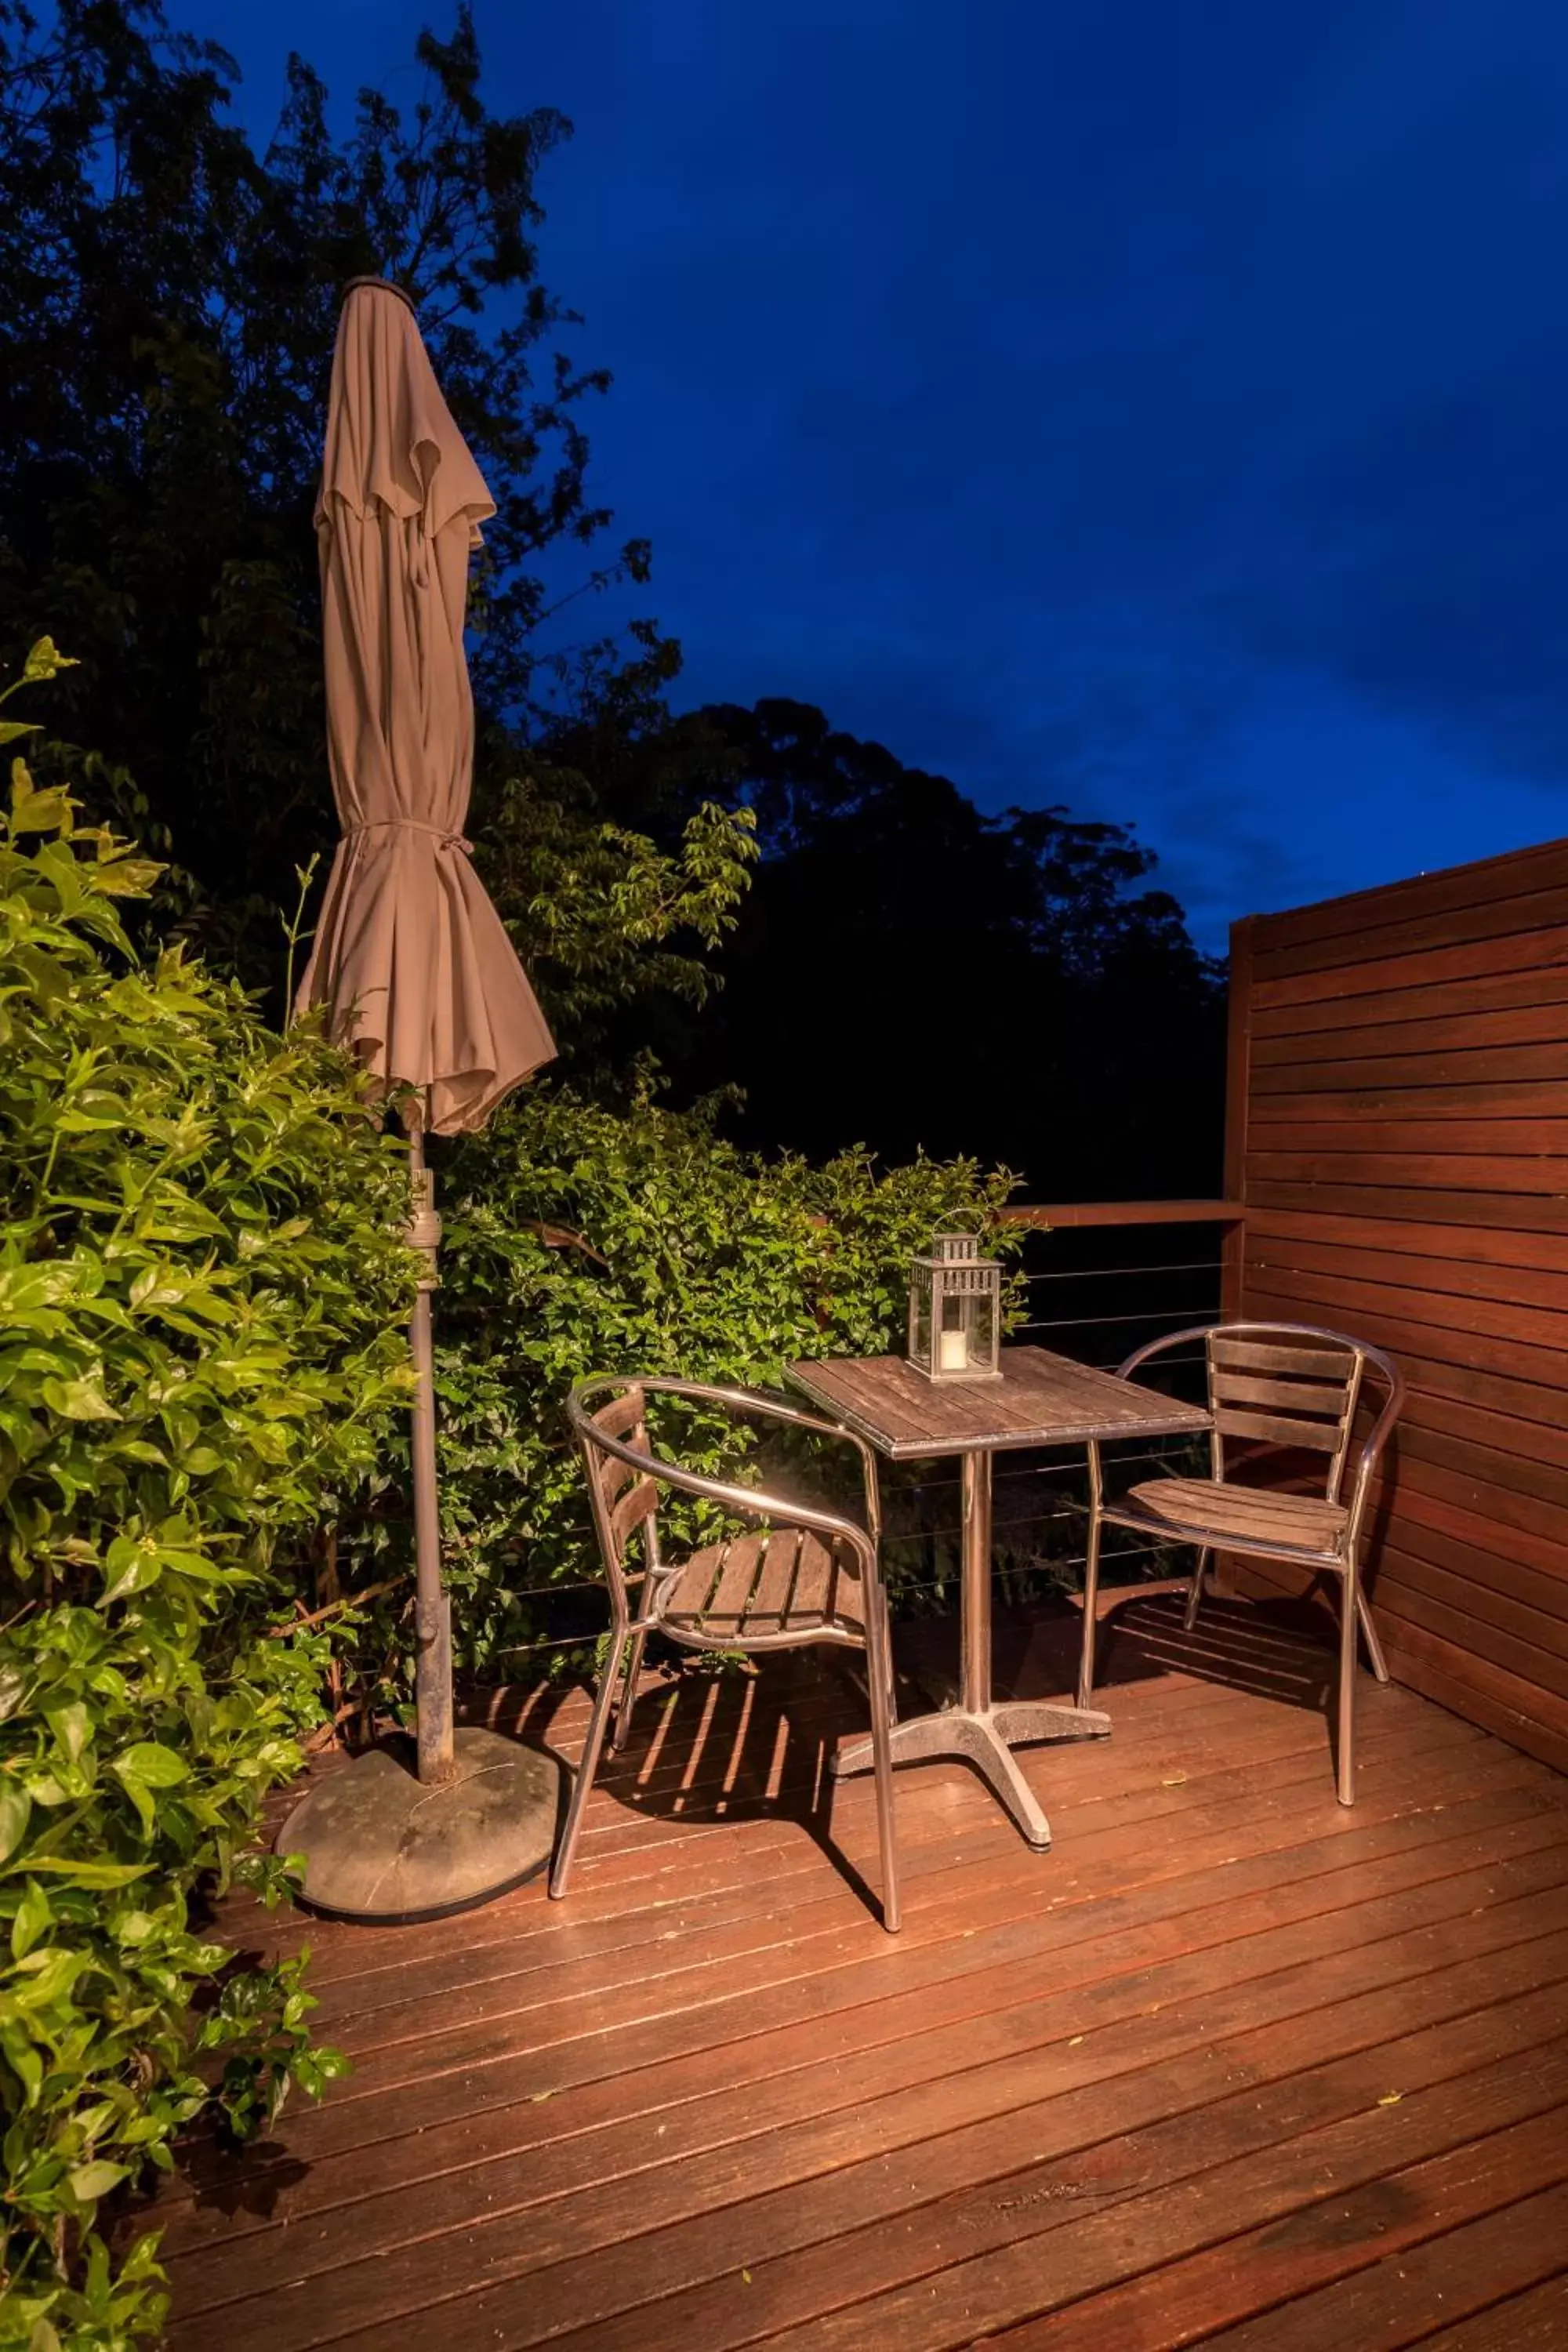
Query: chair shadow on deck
pixel 1278 1649
pixel 1269 1649
pixel 716 1744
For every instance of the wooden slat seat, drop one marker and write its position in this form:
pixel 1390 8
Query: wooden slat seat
pixel 1210 1511
pixel 769 1582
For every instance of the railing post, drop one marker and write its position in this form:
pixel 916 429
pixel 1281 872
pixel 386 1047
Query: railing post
pixel 1237 1097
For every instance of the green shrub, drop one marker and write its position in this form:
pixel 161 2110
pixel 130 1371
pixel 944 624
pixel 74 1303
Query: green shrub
pixel 580 1239
pixel 202 1301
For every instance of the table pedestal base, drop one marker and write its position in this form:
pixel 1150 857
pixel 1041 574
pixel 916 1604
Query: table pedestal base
pixel 986 1738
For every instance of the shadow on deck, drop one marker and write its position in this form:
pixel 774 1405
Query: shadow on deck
pixel 1230 2064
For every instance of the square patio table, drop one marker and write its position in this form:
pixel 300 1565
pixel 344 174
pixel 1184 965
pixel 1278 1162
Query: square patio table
pixel 1040 1400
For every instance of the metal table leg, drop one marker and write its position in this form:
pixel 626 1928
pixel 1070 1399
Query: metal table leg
pixel 976 1727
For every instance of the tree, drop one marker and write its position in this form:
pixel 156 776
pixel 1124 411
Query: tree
pixel 910 974
pixel 170 301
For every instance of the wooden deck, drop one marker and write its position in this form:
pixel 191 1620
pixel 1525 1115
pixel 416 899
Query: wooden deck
pixel 1228 2065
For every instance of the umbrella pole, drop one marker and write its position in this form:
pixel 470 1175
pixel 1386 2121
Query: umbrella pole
pixel 433 1611
pixel 381 1845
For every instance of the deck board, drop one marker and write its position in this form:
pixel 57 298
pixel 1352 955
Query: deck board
pixel 1135 2091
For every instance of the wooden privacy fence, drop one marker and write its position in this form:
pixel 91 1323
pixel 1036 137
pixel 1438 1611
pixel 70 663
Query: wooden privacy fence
pixel 1398 1141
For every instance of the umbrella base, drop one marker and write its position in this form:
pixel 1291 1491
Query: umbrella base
pixel 384 1849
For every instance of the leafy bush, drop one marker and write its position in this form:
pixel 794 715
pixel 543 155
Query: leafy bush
pixel 612 925
pixel 202 1296
pixel 581 1239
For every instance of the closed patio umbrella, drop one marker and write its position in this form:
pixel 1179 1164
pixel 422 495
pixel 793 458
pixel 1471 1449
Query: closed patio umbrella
pixel 420 980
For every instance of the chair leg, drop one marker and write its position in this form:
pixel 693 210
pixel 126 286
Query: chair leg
pixel 1379 1663
pixel 603 1700
pixel 628 1691
pixel 1348 1617
pixel 880 1686
pixel 1195 1590
pixel 1090 1583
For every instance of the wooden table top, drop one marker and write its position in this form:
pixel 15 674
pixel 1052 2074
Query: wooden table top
pixel 1039 1399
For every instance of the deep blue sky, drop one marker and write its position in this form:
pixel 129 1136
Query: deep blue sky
pixel 1158 405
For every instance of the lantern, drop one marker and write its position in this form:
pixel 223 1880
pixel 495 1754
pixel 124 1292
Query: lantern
pixel 956 1311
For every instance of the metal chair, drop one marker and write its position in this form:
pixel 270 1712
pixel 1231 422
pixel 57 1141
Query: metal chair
pixel 1281 1385
pixel 800 1575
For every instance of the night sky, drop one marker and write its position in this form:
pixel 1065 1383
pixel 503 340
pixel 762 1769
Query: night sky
pixel 1154 405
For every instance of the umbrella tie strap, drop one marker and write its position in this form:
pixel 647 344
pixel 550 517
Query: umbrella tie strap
pixel 424 1232
pixel 448 837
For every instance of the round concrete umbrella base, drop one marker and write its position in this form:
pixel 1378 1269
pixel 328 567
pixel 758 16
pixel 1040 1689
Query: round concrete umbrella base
pixel 384 1849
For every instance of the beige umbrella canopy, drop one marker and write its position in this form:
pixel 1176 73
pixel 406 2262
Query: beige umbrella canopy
pixel 418 976
pixel 409 954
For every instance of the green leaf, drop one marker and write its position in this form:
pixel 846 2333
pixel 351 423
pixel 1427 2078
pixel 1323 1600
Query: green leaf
pixel 132 1565
pixel 34 1916
pixel 95 1875
pixel 22 2059
pixel 15 1805
pixel 154 1766
pixel 44 659
pixel 79 1400
pixel 90 2182
pixel 70 1725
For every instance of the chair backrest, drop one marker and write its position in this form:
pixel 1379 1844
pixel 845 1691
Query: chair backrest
pixel 607 1414
pixel 624 1498
pixel 1286 1384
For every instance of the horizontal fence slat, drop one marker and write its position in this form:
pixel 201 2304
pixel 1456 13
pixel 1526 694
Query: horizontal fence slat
pixel 1530 1454
pixel 1450 1277
pixel 1382 943
pixel 1539 1136
pixel 1523 1253
pixel 1497 1212
pixel 1527 1700
pixel 1466 1486
pixel 1517 874
pixel 1507 1581
pixel 1437 1103
pixel 1541 1487
pixel 1438 1172
pixel 1430 969
pixel 1433 1072
pixel 1416 1508
pixel 1411 1324
pixel 1404 1599
pixel 1520 1007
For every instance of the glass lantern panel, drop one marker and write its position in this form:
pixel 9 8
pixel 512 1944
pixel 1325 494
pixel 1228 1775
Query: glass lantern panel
pixel 921 1320
pixel 983 1333
pixel 954 1338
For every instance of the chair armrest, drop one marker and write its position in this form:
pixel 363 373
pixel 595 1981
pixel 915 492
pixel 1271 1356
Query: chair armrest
pixel 765 1406
pixel 748 1502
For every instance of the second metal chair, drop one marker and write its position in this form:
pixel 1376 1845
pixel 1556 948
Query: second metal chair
pixel 1280 1385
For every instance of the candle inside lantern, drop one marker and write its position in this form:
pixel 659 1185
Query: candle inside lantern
pixel 953 1356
